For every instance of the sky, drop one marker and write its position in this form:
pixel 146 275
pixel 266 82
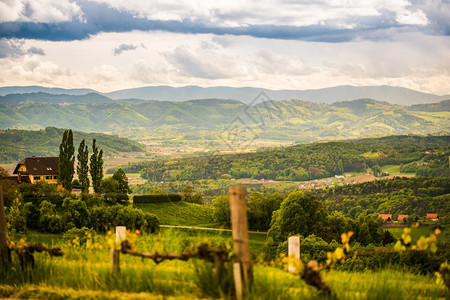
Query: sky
pixel 108 45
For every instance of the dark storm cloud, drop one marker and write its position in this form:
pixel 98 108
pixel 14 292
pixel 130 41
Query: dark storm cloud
pixel 99 18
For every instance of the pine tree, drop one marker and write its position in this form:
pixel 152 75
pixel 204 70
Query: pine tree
pixel 82 167
pixel 96 167
pixel 66 160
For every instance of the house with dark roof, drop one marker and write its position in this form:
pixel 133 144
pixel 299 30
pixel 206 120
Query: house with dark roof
pixel 33 169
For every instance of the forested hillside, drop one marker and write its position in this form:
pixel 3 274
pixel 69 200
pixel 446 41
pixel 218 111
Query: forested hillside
pixel 204 121
pixel 304 162
pixel 18 144
pixel 398 196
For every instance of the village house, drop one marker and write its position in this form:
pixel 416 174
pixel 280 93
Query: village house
pixel 385 217
pixel 432 217
pixel 401 217
pixel 33 169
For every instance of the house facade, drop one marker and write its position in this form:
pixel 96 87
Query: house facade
pixel 33 169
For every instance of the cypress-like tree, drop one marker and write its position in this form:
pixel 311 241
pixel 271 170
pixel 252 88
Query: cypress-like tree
pixel 66 160
pixel 96 167
pixel 82 167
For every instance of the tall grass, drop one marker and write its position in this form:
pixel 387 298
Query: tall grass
pixel 88 271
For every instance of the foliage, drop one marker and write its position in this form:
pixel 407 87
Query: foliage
pixel 299 214
pixel 222 210
pixel 82 166
pixel 66 160
pixel 115 189
pixel 80 235
pixel 156 198
pixel 410 196
pixel 96 167
pixel 9 187
pixel 18 144
pixel 188 194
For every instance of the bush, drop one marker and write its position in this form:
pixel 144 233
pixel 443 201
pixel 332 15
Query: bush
pixel 156 198
pixel 49 220
pixel 152 222
pixel 81 234
pixel 76 213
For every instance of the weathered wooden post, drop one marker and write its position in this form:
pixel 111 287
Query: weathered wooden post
pixel 115 253
pixel 293 251
pixel 5 254
pixel 239 225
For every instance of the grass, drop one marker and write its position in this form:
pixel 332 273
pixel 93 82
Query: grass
pixel 416 232
pixel 84 273
pixel 181 213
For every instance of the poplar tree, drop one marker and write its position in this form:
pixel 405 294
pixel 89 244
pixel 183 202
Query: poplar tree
pixel 96 167
pixel 82 167
pixel 66 160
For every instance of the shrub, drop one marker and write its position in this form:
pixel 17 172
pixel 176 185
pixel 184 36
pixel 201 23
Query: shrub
pixel 152 222
pixel 81 234
pixel 49 220
pixel 157 198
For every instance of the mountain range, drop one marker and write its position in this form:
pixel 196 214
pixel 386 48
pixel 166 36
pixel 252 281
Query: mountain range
pixel 395 95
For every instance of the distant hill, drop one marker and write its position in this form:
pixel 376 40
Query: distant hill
pixel 214 119
pixel 390 94
pixel 40 97
pixel 18 144
pixel 441 106
pixel 40 89
pixel 393 95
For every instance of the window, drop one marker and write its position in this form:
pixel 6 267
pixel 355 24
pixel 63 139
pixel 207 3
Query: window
pixel 55 177
pixel 37 178
pixel 48 177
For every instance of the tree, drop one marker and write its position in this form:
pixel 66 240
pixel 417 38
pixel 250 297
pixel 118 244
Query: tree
pixel 96 167
pixel 9 187
pixel 188 194
pixel 66 160
pixel 222 210
pixel 82 167
pixel 299 213
pixel 115 189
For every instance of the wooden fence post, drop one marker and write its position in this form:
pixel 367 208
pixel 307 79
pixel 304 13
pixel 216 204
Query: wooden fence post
pixel 115 253
pixel 5 254
pixel 293 251
pixel 239 225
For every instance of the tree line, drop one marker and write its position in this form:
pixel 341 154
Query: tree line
pixel 305 162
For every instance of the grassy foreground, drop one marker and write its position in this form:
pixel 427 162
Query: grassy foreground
pixel 84 273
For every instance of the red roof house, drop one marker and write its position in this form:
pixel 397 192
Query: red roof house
pixel 401 217
pixel 385 217
pixel 432 217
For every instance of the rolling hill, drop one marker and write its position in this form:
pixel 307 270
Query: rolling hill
pixel 17 144
pixel 221 121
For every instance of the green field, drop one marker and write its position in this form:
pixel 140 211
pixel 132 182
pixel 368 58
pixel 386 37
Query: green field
pixel 84 273
pixel 181 213
pixel 416 232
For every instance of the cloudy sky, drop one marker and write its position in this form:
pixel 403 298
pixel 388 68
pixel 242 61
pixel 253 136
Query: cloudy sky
pixel 108 45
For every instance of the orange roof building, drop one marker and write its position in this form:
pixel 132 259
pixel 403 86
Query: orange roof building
pixel 385 217
pixel 432 217
pixel 401 217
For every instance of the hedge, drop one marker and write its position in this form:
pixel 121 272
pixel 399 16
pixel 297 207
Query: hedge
pixel 160 198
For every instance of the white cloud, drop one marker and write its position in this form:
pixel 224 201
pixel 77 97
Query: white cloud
pixel 411 60
pixel 412 18
pixel 39 11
